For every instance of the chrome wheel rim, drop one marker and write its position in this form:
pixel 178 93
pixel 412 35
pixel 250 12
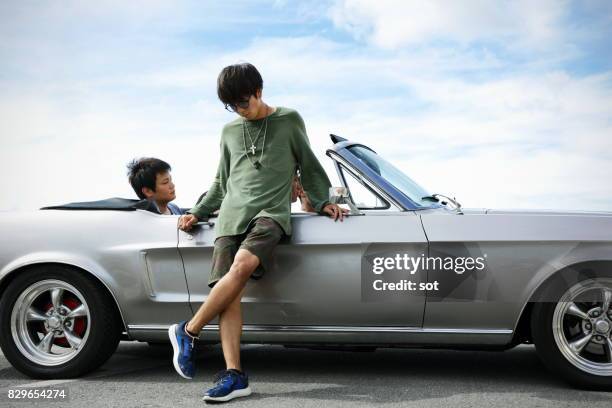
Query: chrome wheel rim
pixel 50 322
pixel 582 326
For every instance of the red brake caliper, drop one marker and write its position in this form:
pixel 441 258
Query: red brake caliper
pixel 78 326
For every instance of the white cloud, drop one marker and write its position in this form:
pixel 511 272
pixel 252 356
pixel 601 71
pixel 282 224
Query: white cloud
pixel 394 23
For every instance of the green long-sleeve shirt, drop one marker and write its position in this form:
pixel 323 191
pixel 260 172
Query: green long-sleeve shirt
pixel 243 193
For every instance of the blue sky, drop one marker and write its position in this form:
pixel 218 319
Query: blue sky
pixel 501 104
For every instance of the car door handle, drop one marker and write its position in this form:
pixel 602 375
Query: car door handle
pixel 202 223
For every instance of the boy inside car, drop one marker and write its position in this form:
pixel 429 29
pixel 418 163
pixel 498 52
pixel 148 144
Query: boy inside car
pixel 260 152
pixel 151 180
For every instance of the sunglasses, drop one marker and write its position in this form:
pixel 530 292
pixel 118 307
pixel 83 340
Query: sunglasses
pixel 233 107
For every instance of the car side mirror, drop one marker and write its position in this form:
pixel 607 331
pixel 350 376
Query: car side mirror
pixel 340 195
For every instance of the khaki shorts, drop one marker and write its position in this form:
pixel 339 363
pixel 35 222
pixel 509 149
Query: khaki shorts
pixel 260 239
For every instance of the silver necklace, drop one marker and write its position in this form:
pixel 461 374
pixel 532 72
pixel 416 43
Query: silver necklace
pixel 264 126
pixel 253 148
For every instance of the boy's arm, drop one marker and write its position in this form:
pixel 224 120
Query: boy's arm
pixel 314 179
pixel 214 197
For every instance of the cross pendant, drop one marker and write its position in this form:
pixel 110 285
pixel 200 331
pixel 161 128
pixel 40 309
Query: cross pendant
pixel 252 149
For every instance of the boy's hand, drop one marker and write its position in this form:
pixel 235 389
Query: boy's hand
pixel 335 211
pixel 186 221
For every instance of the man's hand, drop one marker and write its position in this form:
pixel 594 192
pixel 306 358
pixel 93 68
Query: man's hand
pixel 186 221
pixel 335 211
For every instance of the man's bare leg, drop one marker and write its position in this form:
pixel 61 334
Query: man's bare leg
pixel 230 328
pixel 225 290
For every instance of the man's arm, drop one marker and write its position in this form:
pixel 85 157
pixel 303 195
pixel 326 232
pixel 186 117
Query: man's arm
pixel 313 177
pixel 211 201
pixel 214 197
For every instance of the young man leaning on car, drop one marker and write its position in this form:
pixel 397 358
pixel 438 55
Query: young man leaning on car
pixel 260 152
pixel 151 180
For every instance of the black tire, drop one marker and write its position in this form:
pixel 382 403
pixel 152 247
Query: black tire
pixel 543 337
pixel 104 326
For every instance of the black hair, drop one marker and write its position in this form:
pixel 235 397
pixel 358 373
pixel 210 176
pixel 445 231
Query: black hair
pixel 238 81
pixel 143 172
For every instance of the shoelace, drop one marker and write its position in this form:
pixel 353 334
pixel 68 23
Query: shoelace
pixel 221 376
pixel 190 352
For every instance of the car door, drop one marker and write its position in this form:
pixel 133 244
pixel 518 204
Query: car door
pixel 324 274
pixel 319 273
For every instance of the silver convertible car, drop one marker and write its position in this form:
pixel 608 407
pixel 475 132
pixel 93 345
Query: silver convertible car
pixel 406 268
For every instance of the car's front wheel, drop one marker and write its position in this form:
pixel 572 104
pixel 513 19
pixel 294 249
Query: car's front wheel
pixel 572 331
pixel 57 323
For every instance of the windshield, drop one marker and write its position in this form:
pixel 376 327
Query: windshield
pixel 392 175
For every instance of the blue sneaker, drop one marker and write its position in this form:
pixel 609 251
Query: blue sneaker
pixel 182 343
pixel 229 384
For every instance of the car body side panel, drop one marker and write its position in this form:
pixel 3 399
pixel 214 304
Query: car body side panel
pixel 521 252
pixel 132 252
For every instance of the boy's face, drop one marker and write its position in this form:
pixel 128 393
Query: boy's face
pixel 164 188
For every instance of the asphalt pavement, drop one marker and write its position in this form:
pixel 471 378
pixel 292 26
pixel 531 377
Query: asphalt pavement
pixel 139 375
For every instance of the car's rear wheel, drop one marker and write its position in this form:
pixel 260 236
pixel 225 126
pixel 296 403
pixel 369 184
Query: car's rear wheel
pixel 56 323
pixel 572 331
